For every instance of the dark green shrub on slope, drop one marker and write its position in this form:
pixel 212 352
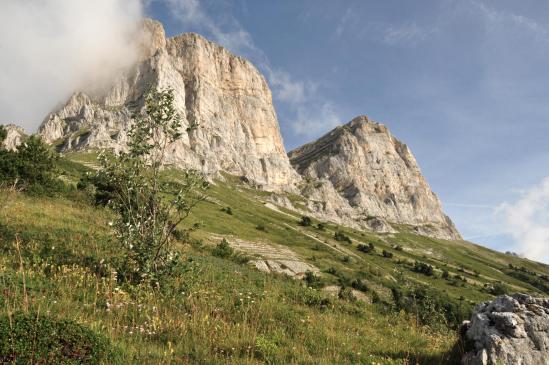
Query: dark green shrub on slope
pixel 32 339
pixel 30 168
pixel 223 249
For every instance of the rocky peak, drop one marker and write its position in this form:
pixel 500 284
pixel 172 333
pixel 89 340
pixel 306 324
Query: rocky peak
pixel 15 136
pixel 224 94
pixel 375 174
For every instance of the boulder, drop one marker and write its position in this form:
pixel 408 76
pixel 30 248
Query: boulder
pixel 510 330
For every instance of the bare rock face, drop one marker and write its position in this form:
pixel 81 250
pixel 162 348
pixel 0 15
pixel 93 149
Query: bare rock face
pixel 222 93
pixel 15 136
pixel 509 330
pixel 361 170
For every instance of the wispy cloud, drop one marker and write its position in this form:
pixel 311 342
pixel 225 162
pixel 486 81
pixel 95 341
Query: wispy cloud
pixel 527 220
pixel 228 33
pixel 316 120
pixel 311 113
pixel 409 34
pixel 496 18
pixel 50 48
pixel 348 20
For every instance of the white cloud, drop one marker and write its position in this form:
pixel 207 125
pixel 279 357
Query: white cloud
pixel 315 120
pixel 51 48
pixel 527 220
pixel 496 19
pixel 405 34
pixel 234 37
pixel 349 19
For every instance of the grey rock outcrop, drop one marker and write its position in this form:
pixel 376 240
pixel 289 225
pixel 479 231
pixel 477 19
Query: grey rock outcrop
pixel 224 94
pixel 361 170
pixel 511 330
pixel 15 136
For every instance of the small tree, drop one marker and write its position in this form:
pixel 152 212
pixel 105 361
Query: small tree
pixel 223 249
pixel 30 168
pixel 149 208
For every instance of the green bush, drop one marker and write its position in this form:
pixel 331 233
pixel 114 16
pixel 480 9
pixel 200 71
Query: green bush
pixel 30 168
pixel 227 210
pixel 431 306
pixel 342 237
pixel 366 248
pixel 346 294
pixel 387 254
pixel 305 221
pixel 32 339
pixel 312 280
pixel 360 285
pixel 223 249
pixel 498 288
pixel 423 268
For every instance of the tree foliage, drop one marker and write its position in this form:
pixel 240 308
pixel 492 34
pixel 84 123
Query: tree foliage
pixel 148 206
pixel 30 168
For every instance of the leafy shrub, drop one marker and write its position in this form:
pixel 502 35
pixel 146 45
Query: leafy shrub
pixel 321 226
pixel 360 285
pixel 398 248
pixel 387 254
pixel 33 339
pixel 497 288
pixel 30 168
pixel 366 248
pixel 223 249
pixel 431 306
pixel 3 134
pixel 423 268
pixel 342 237
pixel 261 227
pixel 312 280
pixel 346 293
pixel 375 297
pixel 227 210
pixel 305 221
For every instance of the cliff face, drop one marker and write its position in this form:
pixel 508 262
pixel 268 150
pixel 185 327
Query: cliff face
pixel 352 174
pixel 222 93
pixel 361 167
pixel 14 137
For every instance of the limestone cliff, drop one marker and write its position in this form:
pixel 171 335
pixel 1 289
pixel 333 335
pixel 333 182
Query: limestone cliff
pixel 358 174
pixel 361 168
pixel 222 93
pixel 14 137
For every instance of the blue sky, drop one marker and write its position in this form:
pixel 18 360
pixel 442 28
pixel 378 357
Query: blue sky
pixel 463 83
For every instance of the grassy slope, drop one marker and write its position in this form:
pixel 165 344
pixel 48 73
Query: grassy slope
pixel 221 311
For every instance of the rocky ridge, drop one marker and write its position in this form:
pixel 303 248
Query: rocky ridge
pixel 361 170
pixel 509 330
pixel 223 94
pixel 357 175
pixel 15 136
